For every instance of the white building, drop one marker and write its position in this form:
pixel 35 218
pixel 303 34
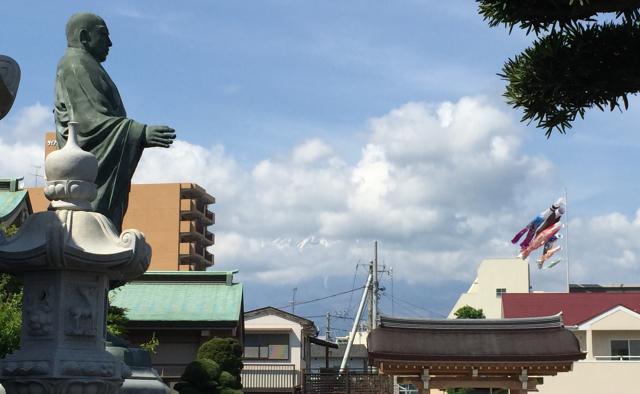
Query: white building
pixel 276 350
pixel 607 326
pixel 495 277
pixel 605 320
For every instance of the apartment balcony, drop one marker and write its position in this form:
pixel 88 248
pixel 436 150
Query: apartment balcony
pixel 190 209
pixel 194 255
pixel 269 377
pixel 193 191
pixel 191 231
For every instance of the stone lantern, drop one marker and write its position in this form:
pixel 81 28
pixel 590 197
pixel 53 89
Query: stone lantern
pixel 66 258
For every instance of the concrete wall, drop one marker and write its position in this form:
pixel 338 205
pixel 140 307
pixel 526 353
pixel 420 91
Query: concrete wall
pixel 272 324
pixel 594 377
pixel 510 274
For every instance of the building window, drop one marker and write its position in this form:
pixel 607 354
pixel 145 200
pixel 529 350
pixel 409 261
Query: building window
pixel 266 346
pixel 500 292
pixel 407 388
pixel 625 349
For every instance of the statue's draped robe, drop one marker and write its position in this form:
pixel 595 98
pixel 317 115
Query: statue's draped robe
pixel 86 94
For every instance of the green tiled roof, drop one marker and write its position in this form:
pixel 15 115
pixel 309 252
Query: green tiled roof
pixel 179 301
pixel 9 201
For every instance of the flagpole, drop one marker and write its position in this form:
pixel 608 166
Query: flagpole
pixel 566 240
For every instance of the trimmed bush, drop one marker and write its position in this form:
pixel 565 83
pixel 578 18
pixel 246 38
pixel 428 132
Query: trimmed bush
pixel 201 375
pixel 227 352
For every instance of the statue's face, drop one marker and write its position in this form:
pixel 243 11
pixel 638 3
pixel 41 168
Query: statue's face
pixel 98 42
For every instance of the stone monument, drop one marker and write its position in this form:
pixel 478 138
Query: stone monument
pixel 66 257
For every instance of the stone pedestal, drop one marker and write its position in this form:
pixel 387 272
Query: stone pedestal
pixel 66 258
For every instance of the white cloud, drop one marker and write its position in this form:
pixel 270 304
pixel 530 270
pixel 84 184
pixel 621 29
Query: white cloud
pixel 434 183
pixel 311 151
pixel 22 141
pixel 440 186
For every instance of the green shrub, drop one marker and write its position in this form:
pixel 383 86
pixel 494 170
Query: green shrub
pixel 201 375
pixel 226 380
pixel 227 352
pixel 230 391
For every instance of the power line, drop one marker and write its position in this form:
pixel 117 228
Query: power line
pixel 321 298
pixel 431 312
pixel 355 274
pixel 334 316
pixel 410 310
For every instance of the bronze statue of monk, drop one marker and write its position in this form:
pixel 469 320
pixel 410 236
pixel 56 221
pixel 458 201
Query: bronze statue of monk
pixel 86 94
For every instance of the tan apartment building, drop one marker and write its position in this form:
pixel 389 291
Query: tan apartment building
pixel 174 218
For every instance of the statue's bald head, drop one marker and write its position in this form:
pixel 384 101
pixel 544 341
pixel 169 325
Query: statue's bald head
pixel 89 31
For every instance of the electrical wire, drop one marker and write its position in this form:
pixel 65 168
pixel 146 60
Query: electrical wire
pixel 431 312
pixel 355 273
pixel 321 298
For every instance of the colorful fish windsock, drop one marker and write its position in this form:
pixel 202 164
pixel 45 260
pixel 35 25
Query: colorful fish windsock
pixel 547 255
pixel 553 264
pixel 552 215
pixel 530 230
pixel 540 240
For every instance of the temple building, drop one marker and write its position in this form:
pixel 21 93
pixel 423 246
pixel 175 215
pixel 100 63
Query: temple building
pixel 182 310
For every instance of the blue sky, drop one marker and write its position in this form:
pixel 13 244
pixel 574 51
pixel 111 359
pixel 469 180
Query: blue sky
pixel 321 126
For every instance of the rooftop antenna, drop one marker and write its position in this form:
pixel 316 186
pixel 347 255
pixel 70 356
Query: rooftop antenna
pixel 36 174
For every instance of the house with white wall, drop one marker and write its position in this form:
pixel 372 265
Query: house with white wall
pixel 607 326
pixel 604 319
pixel 276 350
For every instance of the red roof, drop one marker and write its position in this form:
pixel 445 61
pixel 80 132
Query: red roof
pixel 576 308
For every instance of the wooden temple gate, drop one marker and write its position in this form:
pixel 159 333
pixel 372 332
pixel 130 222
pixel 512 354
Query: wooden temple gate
pixel 513 354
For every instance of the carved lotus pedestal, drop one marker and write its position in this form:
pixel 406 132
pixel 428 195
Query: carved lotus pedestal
pixel 66 258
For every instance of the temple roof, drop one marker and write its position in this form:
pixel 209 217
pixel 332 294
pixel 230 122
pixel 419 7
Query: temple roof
pixel 166 297
pixel 481 340
pixel 10 202
pixel 11 198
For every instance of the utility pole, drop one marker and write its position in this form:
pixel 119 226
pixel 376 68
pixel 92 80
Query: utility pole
pixel 293 301
pixel 393 301
pixel 370 298
pixel 352 335
pixel 327 331
pixel 376 288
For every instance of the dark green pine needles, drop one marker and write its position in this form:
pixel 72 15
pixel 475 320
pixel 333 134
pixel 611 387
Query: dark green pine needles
pixel 578 60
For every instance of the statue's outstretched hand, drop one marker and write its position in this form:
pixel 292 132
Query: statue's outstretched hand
pixel 159 136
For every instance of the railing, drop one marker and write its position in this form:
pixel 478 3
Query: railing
pixel 617 358
pixel 269 376
pixel 347 383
